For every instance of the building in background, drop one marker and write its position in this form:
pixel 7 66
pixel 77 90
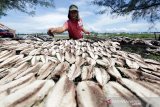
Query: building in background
pixel 6 31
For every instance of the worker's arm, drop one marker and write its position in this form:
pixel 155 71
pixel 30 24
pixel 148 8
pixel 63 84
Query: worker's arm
pixel 52 31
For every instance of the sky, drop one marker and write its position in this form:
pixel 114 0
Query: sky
pixel 46 18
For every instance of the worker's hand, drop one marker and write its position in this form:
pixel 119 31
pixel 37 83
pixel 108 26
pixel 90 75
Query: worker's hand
pixel 87 33
pixel 50 32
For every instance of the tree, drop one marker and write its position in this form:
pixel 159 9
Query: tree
pixel 26 6
pixel 145 9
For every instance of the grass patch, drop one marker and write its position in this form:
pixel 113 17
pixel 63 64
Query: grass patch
pixel 132 35
pixel 61 37
pixel 111 35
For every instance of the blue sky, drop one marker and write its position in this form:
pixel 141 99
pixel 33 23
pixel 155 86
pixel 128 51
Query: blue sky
pixel 55 17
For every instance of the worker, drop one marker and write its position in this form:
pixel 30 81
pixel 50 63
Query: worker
pixel 73 25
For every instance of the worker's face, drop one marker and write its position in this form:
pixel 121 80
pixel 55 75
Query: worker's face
pixel 73 14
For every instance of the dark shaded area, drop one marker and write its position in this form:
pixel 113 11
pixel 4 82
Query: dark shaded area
pixel 141 50
pixel 55 78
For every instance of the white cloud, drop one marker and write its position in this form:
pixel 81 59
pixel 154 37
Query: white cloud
pixel 86 13
pixel 106 23
pixel 39 23
pixel 62 10
pixel 108 20
pixel 137 26
pixel 117 30
pixel 92 28
pixel 49 19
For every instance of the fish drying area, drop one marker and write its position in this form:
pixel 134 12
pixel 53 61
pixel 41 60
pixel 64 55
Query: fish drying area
pixel 47 72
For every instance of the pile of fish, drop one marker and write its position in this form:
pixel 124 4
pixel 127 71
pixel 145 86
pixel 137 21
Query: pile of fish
pixel 75 73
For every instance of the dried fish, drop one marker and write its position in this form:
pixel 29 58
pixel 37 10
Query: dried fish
pixel 152 61
pixel 87 72
pixel 72 62
pixel 145 94
pixel 49 69
pixel 12 86
pixel 79 61
pixel 89 94
pixel 12 53
pixel 16 99
pixel 60 69
pixel 74 72
pixel 70 57
pixel 118 96
pixel 63 94
pixel 114 72
pixel 131 73
pixel 11 60
pixel 101 76
pixel 132 64
pixel 60 57
pixel 34 69
pixel 14 73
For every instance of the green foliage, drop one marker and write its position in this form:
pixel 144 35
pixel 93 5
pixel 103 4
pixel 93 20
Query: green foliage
pixel 134 35
pixel 145 9
pixel 26 6
pixel 110 35
pixel 61 37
